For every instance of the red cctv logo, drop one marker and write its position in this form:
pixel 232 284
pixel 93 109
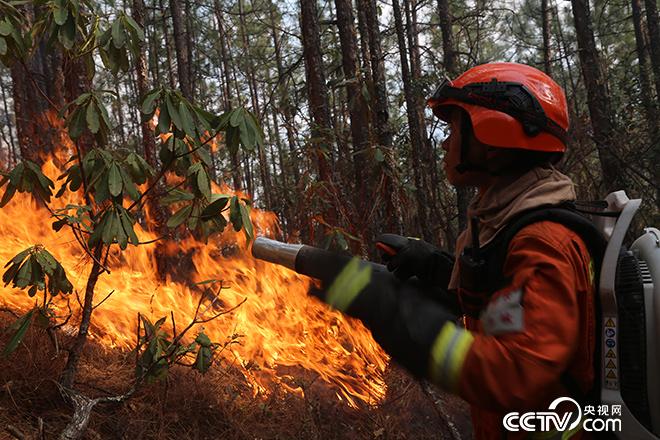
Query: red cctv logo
pixel 544 420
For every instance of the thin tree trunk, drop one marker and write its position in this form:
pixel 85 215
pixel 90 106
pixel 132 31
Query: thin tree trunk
pixel 287 108
pixel 236 171
pixel 359 113
pixel 463 195
pixel 416 140
pixel 546 17
pixel 598 99
pixel 252 83
pixel 168 46
pixel 316 89
pixel 644 74
pixel 654 41
pixel 181 46
pixel 190 45
pixel 71 368
pixel 10 126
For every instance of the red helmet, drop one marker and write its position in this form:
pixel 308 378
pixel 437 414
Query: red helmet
pixel 510 105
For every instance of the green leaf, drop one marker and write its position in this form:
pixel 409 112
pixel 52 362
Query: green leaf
pixel 203 183
pixel 236 117
pixel 60 14
pixel 176 195
pixel 203 340
pixel 110 227
pixel 247 224
pixel 129 185
pixel 6 28
pixel 67 32
pixel 76 123
pixel 179 217
pixel 127 224
pixel 7 196
pixel 204 155
pixel 149 103
pixel 214 209
pixel 174 114
pixel 187 120
pixel 118 34
pixel 235 215
pixel 21 325
pixel 18 258
pixel 378 155
pixel 24 275
pixel 3 46
pixel 93 117
pixel 203 360
pixel 163 119
pixel 47 264
pixel 136 27
pixel 115 183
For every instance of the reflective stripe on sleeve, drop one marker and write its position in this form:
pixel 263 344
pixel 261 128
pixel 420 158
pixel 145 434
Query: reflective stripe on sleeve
pixel 448 354
pixel 348 284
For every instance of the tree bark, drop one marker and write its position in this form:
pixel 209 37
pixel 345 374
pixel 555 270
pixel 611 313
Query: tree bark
pixel 236 169
pixel 168 47
pixel 285 101
pixel 357 107
pixel 252 83
pixel 181 47
pixel 463 195
pixel 641 41
pixel 598 99
pixel 546 16
pixel 416 140
pixel 654 41
pixel 316 88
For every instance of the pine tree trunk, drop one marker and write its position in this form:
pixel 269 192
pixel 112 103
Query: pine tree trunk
pixel 359 114
pixel 181 47
pixel 416 140
pixel 316 88
pixel 236 170
pixel 546 17
pixel 598 99
pixel 168 47
pixel 285 101
pixel 463 195
pixel 264 172
pixel 641 41
pixel 654 41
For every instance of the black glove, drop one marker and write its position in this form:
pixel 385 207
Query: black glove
pixel 407 257
pixel 402 319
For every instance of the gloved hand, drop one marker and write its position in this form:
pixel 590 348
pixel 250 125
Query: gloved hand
pixel 407 257
pixel 402 319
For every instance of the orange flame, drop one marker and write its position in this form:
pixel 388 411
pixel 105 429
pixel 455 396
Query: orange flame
pixel 280 324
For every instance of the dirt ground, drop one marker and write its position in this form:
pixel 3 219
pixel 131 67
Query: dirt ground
pixel 217 405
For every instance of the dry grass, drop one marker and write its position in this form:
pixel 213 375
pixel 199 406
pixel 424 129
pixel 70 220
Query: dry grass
pixel 218 405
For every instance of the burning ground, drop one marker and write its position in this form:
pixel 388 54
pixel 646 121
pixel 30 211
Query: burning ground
pixel 290 367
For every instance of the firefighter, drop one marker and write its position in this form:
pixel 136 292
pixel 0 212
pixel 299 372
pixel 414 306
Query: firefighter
pixel 516 339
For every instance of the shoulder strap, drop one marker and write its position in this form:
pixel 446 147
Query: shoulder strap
pixel 567 215
pixel 495 252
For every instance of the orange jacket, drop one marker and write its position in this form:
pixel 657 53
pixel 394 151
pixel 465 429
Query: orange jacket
pixel 524 342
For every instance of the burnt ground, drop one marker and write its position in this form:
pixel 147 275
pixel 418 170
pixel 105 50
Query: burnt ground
pixel 217 405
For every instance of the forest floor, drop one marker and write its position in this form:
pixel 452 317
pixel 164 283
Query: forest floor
pixel 217 405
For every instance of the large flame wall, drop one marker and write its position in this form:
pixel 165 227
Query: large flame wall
pixel 280 325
